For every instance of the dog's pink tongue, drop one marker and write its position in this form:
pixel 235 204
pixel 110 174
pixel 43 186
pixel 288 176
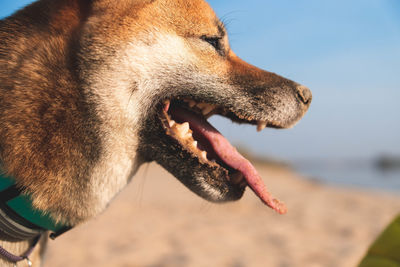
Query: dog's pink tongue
pixel 229 155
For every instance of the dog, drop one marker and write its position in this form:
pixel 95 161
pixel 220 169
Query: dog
pixel 92 89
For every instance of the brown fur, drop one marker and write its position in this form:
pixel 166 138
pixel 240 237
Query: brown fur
pixel 60 115
pixel 46 134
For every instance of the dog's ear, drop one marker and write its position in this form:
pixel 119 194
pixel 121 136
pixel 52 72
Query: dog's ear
pixel 110 3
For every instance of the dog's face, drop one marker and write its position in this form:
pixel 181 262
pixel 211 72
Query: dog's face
pixel 172 68
pixel 114 83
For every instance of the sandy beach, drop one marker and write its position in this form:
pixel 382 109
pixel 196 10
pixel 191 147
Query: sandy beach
pixel 157 222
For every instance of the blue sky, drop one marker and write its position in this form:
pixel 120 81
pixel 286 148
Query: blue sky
pixel 347 52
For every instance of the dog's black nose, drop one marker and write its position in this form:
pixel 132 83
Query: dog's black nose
pixel 304 94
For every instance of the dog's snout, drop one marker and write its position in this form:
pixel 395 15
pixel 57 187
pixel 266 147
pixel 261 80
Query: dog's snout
pixel 304 94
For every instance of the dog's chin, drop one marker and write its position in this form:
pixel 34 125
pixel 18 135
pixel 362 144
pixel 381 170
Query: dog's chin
pixel 210 181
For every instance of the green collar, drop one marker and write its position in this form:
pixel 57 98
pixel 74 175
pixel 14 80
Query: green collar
pixel 21 205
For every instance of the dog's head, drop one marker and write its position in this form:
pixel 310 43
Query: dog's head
pixel 168 66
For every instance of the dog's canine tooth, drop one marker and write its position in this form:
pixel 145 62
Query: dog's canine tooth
pixel 208 109
pixel 261 125
pixel 171 123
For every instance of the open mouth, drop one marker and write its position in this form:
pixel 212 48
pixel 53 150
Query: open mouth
pixel 186 122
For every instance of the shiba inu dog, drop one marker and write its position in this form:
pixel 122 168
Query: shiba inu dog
pixel 91 89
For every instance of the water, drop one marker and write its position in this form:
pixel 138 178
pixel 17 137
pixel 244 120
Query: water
pixel 360 174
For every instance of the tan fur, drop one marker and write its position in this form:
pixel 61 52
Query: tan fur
pixel 80 84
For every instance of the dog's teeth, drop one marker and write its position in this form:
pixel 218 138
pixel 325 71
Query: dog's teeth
pixel 188 135
pixel 185 127
pixel 207 110
pixel 261 125
pixel 182 130
pixel 171 123
pixel 203 155
pixel 194 144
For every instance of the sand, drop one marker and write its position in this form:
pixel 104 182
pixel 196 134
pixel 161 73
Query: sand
pixel 157 222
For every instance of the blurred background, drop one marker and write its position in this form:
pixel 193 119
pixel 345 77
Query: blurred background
pixel 348 54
